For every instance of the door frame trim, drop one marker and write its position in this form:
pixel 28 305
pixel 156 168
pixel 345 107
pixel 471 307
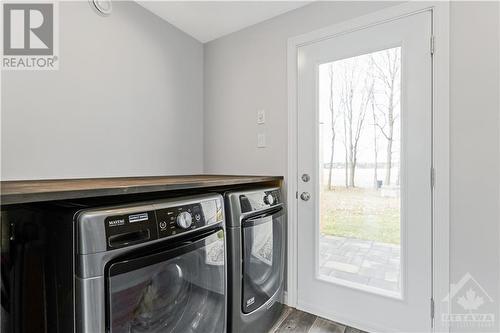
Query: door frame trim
pixel 440 142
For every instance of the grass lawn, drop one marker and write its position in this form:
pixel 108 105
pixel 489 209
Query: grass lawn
pixel 360 213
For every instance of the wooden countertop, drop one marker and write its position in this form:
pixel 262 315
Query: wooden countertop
pixel 24 191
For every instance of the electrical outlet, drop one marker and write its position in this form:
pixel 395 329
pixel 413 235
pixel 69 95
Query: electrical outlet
pixel 261 140
pixel 261 116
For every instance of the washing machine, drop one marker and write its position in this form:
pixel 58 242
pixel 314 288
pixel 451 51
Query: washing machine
pixel 255 227
pixel 155 266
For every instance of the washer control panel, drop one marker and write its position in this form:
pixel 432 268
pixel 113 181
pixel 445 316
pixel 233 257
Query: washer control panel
pixel 175 220
pixel 259 200
pixel 131 226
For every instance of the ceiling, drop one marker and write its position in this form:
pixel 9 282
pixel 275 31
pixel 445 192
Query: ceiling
pixel 209 20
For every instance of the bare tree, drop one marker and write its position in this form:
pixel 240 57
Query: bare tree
pixel 387 69
pixel 334 116
pixel 344 118
pixel 375 139
pixel 346 157
pixel 347 97
pixel 353 119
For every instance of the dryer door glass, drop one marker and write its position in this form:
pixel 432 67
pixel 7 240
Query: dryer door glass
pixel 263 260
pixel 180 289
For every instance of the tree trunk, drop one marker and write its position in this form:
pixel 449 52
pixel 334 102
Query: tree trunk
pixel 352 170
pixel 330 185
pixel 346 160
pixel 390 122
pixel 346 163
pixel 333 120
pixel 388 163
pixel 351 158
pixel 375 148
pixel 388 73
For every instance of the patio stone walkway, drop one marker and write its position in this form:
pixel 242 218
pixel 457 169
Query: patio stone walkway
pixel 361 261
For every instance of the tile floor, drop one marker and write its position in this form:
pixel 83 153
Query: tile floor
pixel 361 261
pixel 295 321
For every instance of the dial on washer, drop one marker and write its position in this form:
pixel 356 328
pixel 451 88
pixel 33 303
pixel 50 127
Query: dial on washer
pixel 184 220
pixel 269 199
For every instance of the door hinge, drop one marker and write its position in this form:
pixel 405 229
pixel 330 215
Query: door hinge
pixel 296 194
pixel 432 308
pixel 433 177
pixel 433 45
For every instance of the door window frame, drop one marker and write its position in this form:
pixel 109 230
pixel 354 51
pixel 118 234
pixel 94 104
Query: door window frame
pixel 438 177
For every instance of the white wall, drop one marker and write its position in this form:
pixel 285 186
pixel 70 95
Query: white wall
pixel 474 117
pixel 246 71
pixel 127 100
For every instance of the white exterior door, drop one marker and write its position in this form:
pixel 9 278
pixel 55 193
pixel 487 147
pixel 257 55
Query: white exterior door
pixel 364 176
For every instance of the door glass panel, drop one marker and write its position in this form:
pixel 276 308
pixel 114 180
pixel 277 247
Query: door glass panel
pixel 263 260
pixel 360 187
pixel 181 294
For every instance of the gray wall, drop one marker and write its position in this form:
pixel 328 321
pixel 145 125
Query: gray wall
pixel 127 100
pixel 246 71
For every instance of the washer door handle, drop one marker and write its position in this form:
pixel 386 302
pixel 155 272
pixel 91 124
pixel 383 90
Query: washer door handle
pixel 305 196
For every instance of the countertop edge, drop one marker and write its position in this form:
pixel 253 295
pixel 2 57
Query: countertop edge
pixel 54 195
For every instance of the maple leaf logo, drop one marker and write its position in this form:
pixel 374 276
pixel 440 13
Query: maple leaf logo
pixel 470 301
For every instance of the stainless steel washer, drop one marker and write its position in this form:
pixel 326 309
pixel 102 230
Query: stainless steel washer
pixel 255 227
pixel 151 267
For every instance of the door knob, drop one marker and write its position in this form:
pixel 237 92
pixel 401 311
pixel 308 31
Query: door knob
pixel 305 196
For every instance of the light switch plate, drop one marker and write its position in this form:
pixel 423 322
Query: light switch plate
pixel 261 140
pixel 261 116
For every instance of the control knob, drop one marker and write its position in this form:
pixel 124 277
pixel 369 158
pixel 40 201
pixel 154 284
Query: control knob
pixel 269 199
pixel 184 220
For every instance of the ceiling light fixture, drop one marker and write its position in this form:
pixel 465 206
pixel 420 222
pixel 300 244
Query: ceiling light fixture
pixel 102 7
